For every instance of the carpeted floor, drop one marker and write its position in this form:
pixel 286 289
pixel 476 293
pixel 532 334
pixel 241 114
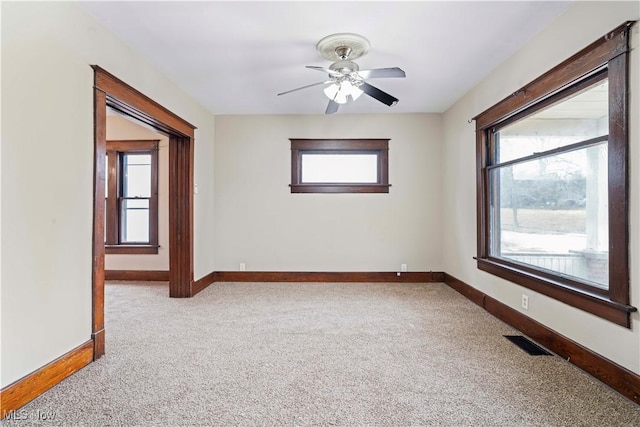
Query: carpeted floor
pixel 321 354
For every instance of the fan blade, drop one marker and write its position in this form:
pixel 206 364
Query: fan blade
pixel 376 93
pixel 332 107
pixel 382 73
pixel 304 87
pixel 326 70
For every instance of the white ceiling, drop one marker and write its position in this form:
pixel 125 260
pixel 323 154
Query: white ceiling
pixel 234 57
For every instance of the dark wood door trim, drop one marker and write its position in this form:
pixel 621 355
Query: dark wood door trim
pixel 181 233
pixel 111 91
pixel 99 168
pixel 135 104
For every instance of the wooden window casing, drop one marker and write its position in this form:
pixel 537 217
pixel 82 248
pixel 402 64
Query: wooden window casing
pixel 114 197
pixel 606 57
pixel 378 147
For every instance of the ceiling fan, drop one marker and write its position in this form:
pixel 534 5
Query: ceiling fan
pixel 346 81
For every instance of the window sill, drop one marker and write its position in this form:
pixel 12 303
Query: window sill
pixel 340 188
pixel 131 249
pixel 591 302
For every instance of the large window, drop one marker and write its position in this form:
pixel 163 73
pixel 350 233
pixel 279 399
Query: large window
pixel 339 166
pixel 552 182
pixel 132 197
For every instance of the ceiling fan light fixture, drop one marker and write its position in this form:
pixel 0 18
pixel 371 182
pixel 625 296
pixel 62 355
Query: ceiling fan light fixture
pixel 342 92
pixel 355 92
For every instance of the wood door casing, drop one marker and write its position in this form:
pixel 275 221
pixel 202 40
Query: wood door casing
pixel 114 93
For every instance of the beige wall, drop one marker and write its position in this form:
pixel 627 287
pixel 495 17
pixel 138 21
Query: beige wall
pixel 47 174
pixel 580 25
pixel 259 222
pixel 119 127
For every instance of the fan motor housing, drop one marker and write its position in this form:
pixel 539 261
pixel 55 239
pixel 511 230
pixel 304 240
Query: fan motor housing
pixel 344 67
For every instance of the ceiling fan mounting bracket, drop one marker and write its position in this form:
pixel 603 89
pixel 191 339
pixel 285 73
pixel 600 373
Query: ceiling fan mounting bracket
pixel 342 46
pixel 343 52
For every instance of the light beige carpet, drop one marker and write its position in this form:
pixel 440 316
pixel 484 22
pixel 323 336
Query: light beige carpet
pixel 285 354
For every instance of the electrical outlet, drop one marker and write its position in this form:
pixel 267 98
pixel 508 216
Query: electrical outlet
pixel 525 302
pixel 242 266
pixel 403 267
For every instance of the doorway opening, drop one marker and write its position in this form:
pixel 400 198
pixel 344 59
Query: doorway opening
pixel 112 93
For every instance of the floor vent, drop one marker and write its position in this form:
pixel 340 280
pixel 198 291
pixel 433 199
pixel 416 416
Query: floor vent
pixel 529 346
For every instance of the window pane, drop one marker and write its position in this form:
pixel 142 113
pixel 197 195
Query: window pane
pixel 135 221
pixel 339 168
pixel 137 175
pixel 583 116
pixel 552 213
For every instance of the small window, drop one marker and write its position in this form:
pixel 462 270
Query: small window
pixel 552 182
pixel 340 166
pixel 131 225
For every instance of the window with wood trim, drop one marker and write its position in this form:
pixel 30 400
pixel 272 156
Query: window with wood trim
pixel 340 166
pixel 131 220
pixel 552 182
